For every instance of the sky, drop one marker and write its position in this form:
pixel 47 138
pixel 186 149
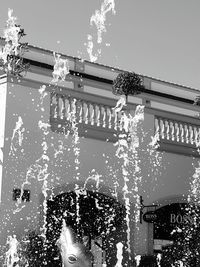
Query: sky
pixel 156 38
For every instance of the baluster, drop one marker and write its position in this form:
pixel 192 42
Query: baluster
pixel 166 123
pixel 57 105
pixel 186 133
pixel 181 133
pixel 177 132
pixel 156 126
pixel 92 113
pixel 195 135
pixel 70 106
pixel 64 108
pixel 61 107
pixel 172 130
pixel 159 127
pixel 67 106
pixel 87 107
pixel 112 121
pixel 95 107
pixel 120 123
pixel 54 106
pixel 80 115
pixel 89 113
pixel 156 129
pixel 103 117
pixel 78 108
pixel 73 107
pixel 115 115
pixel 194 138
pixel 98 116
pixel 198 137
pixel 162 127
pixel 191 134
pixel 109 118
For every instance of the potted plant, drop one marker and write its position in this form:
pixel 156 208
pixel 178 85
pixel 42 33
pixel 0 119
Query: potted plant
pixel 127 83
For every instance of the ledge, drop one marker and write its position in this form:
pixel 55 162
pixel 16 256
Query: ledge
pixel 85 130
pixel 181 149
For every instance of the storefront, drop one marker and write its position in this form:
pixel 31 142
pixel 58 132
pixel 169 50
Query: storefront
pixel 175 233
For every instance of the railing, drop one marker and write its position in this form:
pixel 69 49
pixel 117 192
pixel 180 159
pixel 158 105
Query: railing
pixel 96 118
pixel 178 136
pixel 90 115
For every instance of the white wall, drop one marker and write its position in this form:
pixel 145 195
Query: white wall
pixel 167 176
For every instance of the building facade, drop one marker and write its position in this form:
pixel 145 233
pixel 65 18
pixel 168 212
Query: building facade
pixel 57 138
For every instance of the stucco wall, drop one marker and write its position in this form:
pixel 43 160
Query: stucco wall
pixel 160 174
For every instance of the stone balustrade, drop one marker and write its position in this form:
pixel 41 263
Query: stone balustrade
pixel 96 118
pixel 89 115
pixel 178 132
pixel 178 136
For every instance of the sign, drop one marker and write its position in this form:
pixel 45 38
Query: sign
pixel 150 217
pixel 182 219
pixel 174 218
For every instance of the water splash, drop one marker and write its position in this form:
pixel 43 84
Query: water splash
pixel 60 69
pixel 43 94
pixel 119 254
pixel 180 264
pixel 99 20
pixel 59 150
pixel 158 258
pixel 11 256
pixel 76 152
pixel 138 259
pixel 90 46
pixel 194 195
pixel 11 35
pixel 38 170
pixel 119 106
pixel 43 161
pixel 154 141
pixel 155 158
pixel 127 145
pixel 176 230
pixel 75 139
pixel 17 136
pixel 93 177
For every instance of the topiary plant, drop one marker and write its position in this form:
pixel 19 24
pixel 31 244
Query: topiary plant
pixel 127 83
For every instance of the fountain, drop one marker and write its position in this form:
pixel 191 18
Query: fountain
pixel 41 170
pixel 72 252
